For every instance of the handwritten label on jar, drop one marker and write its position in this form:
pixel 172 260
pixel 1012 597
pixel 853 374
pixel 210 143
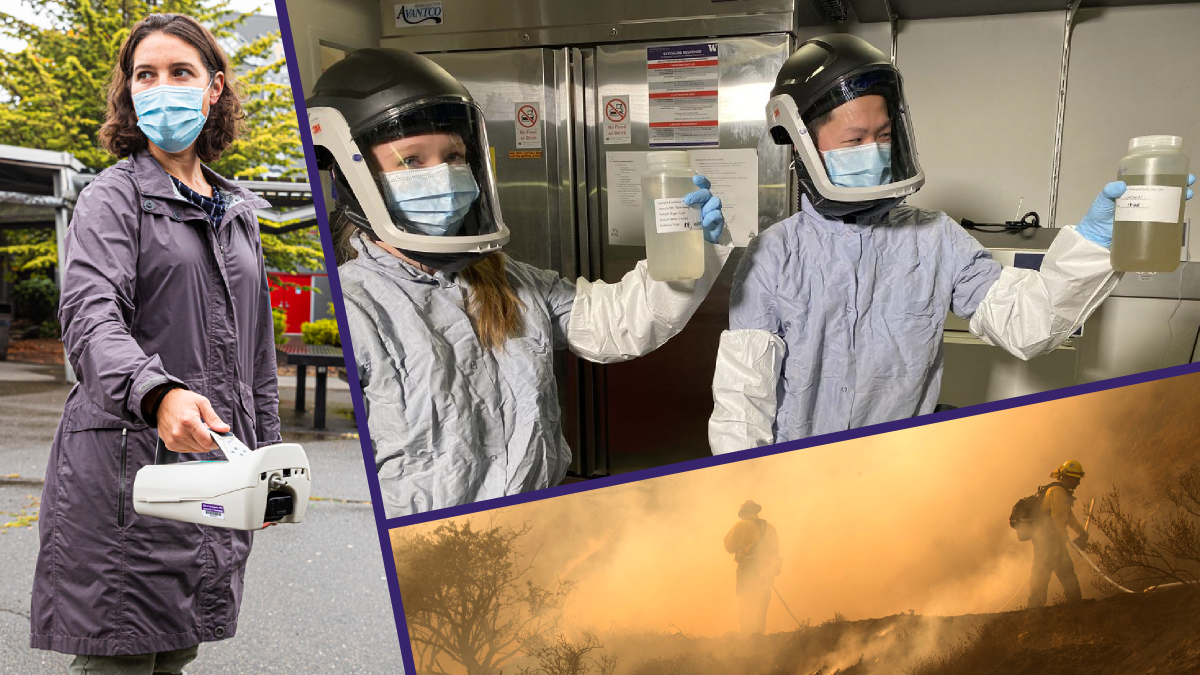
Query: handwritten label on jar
pixel 672 215
pixel 1149 203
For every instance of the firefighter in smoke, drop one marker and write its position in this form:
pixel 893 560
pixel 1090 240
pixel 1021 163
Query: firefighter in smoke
pixel 1050 536
pixel 754 544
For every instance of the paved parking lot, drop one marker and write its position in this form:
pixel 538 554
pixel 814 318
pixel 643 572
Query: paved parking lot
pixel 316 600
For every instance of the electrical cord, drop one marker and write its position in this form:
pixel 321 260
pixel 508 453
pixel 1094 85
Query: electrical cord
pixel 1187 258
pixel 1028 221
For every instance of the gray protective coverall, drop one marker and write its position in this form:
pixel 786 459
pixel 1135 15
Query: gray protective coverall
pixel 151 293
pixel 452 422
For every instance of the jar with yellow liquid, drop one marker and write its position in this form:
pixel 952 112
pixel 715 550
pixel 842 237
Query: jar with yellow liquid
pixel 1148 224
pixel 674 237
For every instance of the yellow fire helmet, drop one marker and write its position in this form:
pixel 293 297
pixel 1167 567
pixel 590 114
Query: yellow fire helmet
pixel 749 508
pixel 1068 468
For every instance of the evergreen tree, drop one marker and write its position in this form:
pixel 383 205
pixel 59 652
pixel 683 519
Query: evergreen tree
pixel 53 98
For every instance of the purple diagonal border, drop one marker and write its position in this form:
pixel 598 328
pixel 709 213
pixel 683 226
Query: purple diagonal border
pixel 827 439
pixel 335 290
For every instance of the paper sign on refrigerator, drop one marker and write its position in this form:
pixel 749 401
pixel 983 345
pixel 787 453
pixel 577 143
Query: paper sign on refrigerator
pixel 682 84
pixel 616 120
pixel 527 125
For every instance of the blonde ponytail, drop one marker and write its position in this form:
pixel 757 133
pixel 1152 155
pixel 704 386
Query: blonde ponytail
pixel 493 304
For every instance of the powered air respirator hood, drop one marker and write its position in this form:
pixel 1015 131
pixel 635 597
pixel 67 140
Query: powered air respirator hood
pixel 248 489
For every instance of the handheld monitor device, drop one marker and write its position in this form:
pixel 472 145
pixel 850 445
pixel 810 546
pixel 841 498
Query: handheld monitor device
pixel 242 492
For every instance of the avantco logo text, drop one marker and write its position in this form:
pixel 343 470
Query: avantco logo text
pixel 419 13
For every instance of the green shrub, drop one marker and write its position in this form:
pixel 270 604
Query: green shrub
pixel 50 329
pixel 323 332
pixel 280 318
pixel 35 299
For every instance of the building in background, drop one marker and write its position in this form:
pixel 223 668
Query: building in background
pixel 302 294
pixel 38 189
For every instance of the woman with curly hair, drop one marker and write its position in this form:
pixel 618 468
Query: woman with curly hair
pixel 167 322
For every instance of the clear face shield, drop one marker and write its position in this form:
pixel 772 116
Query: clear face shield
pixel 422 176
pixel 855 141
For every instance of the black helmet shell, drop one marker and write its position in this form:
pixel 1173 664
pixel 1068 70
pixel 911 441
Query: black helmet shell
pixel 370 85
pixel 817 66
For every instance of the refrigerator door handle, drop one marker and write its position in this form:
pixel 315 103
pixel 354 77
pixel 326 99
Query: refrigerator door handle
pixel 583 98
pixel 571 193
pixel 591 456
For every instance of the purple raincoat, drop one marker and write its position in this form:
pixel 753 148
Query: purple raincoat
pixel 151 293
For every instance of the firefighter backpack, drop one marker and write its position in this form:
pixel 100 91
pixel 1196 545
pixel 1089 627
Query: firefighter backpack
pixel 1028 511
pixel 769 550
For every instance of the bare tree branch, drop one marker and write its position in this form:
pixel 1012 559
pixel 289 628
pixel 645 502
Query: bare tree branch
pixel 467 594
pixel 1163 550
pixel 565 658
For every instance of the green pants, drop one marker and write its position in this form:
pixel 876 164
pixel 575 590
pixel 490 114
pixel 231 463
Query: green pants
pixel 1050 557
pixel 754 596
pixel 162 663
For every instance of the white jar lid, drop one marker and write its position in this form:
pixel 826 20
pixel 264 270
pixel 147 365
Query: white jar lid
pixel 669 157
pixel 1161 141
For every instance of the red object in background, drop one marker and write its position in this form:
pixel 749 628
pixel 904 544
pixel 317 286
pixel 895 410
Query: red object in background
pixel 297 302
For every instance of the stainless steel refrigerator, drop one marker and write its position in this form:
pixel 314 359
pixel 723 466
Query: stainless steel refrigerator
pixel 552 122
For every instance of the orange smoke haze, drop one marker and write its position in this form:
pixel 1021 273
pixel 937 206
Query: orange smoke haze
pixel 915 520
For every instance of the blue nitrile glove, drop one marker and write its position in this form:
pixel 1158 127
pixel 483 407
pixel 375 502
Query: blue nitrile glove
pixel 1097 225
pixel 713 221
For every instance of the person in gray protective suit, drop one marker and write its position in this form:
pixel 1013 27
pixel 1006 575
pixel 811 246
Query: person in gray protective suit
pixel 836 313
pixel 453 339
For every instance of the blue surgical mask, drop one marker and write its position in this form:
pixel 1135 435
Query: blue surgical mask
pixel 171 116
pixel 434 200
pixel 861 166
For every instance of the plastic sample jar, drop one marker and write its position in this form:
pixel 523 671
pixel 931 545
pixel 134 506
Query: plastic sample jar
pixel 1148 224
pixel 674 239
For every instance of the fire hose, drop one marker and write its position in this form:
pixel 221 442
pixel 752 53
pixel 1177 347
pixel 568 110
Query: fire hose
pixel 1098 571
pixel 1096 568
pixel 1083 555
pixel 789 610
pixel 1014 595
pixel 1089 561
pixel 1091 508
pixel 1151 588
